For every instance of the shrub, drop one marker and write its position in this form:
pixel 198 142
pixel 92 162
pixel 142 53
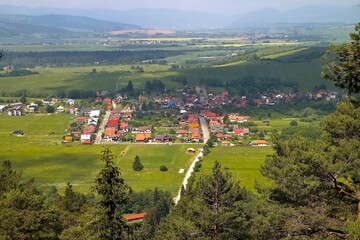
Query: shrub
pixel 163 168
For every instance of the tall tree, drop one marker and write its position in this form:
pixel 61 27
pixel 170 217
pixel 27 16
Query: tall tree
pixel 130 87
pixel 342 63
pixel 212 209
pixel 23 212
pixel 114 193
pixel 137 165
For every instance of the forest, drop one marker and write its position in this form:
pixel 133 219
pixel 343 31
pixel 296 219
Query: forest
pixel 313 190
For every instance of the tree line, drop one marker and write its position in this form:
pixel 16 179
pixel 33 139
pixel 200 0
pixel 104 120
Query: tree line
pixel 80 58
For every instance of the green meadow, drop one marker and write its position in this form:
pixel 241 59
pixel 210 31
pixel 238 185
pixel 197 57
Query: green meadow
pixel 242 161
pixel 40 154
pixel 284 63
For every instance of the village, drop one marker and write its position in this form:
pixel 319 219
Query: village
pixel 118 119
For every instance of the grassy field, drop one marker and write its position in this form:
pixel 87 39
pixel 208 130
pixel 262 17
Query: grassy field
pixel 287 64
pixel 40 154
pixel 243 162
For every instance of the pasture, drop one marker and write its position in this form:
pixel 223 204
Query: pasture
pixel 242 161
pixel 39 154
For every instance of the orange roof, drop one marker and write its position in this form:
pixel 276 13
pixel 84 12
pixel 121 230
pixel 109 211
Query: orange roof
pixel 110 130
pixel 194 125
pixel 181 131
pixel 142 136
pixel 123 124
pixel 259 142
pixel 133 217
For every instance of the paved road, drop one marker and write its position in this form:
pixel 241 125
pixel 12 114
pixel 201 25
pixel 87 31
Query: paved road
pixel 102 127
pixel 205 129
pixel 188 175
pixel 206 136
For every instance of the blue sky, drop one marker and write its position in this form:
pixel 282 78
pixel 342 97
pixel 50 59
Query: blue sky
pixel 220 6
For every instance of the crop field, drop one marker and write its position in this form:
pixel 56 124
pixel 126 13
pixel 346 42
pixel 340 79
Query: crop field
pixel 242 161
pixel 40 155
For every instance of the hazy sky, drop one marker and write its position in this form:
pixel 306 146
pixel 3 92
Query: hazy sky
pixel 221 6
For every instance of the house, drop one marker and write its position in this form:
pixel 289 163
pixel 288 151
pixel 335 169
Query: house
pixel 238 119
pixel 2 108
pixel 241 131
pixel 80 119
pixel 67 138
pixel 220 136
pixel 95 113
pixel 142 137
pixel 190 150
pixel 60 109
pixel 258 143
pixel 194 125
pixel 85 138
pixel 225 143
pixel 135 217
pixel 162 138
pixel 181 132
pixel 113 123
pixel 15 111
pixel 31 107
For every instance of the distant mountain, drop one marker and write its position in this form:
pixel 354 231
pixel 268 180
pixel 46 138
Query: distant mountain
pixel 147 18
pixel 308 14
pixel 194 20
pixel 12 25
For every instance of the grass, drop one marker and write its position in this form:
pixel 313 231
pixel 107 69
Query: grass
pixel 243 162
pixel 287 64
pixel 40 155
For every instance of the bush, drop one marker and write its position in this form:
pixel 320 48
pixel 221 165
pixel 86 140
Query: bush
pixel 163 168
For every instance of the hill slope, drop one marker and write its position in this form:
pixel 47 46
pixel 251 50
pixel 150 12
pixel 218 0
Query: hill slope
pixel 13 25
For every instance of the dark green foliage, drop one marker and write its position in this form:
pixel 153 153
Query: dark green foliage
pixel 293 123
pixel 315 183
pixel 342 64
pixel 1 53
pixel 114 194
pixel 137 165
pixel 163 168
pixel 212 209
pixel 23 212
pixel 18 72
pixel 159 209
pixel 81 58
pixel 71 201
pixel 206 149
pixel 50 109
pixel 155 85
pixel 130 87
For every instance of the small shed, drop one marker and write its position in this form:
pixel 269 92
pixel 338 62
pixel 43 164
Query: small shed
pixel 190 150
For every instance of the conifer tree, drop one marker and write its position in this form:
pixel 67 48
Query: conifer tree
pixel 114 193
pixel 137 165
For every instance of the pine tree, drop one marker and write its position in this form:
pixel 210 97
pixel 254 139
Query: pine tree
pixel 23 212
pixel 342 64
pixel 212 209
pixel 137 165
pixel 114 193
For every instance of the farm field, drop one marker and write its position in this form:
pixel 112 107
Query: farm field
pixel 242 161
pixel 286 63
pixel 40 155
